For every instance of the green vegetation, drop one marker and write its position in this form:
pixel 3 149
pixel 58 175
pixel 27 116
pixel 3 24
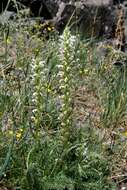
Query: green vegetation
pixel 62 111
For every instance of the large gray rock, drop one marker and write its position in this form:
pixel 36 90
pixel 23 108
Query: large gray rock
pixel 90 17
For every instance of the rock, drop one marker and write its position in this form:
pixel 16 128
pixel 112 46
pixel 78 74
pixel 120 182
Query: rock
pixel 115 2
pixel 90 17
pixel 39 9
pixel 63 15
pixel 6 16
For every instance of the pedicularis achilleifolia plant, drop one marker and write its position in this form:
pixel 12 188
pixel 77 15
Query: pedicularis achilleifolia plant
pixel 38 75
pixel 66 56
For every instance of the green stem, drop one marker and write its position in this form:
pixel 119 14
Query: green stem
pixel 7 160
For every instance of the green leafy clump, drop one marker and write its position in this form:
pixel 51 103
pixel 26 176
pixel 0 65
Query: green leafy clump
pixel 74 165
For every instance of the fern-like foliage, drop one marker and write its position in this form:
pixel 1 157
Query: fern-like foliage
pixel 76 165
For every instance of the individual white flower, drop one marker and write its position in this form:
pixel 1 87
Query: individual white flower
pixel 34 111
pixel 61 73
pixel 60 66
pixel 42 63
